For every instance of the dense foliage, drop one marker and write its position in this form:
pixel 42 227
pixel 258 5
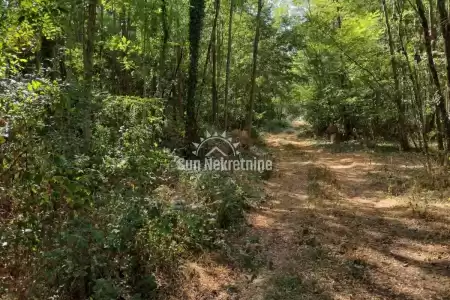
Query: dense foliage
pixel 91 92
pixel 101 225
pixel 96 95
pixel 378 66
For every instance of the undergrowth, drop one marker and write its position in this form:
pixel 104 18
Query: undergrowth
pixel 108 219
pixel 276 126
pixel 322 183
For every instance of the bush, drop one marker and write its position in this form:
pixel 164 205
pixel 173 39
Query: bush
pixel 79 224
pixel 276 126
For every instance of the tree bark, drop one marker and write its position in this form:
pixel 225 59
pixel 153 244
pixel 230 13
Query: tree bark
pixel 441 101
pixel 196 14
pixel 214 65
pixel 162 61
pixel 413 77
pixel 89 43
pixel 227 75
pixel 88 60
pixel 251 103
pixel 432 20
pixel 433 36
pixel 402 135
pixel 445 28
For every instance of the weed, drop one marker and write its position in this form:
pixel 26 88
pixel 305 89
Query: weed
pixel 290 131
pixel 292 287
pixel 321 173
pixel 276 126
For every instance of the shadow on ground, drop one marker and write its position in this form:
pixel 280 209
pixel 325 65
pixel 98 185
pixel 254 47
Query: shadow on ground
pixel 365 243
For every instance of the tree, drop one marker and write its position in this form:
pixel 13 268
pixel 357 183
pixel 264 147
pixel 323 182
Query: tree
pixel 251 103
pixel 403 138
pixel 227 72
pixel 214 39
pixel 196 14
pixel 88 56
pixel 440 107
pixel 445 29
pixel 162 61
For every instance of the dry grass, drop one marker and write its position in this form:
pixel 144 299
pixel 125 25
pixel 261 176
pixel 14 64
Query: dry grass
pixel 322 184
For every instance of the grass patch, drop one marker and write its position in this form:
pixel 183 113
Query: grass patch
pixel 416 182
pixel 305 132
pixel 245 253
pixel 276 126
pixel 290 131
pixel 321 173
pixel 289 146
pixel 291 286
pixel 322 184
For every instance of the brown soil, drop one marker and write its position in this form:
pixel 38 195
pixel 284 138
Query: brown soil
pixel 332 229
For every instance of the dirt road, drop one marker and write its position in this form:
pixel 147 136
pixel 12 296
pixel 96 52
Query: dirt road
pixel 338 226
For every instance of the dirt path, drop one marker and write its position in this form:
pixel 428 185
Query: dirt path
pixel 330 230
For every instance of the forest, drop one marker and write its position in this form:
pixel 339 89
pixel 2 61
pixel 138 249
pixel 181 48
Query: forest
pixel 343 107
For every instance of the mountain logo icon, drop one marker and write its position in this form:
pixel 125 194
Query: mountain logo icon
pixel 220 139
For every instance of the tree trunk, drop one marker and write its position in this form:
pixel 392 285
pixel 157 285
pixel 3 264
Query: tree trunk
pixel 433 37
pixel 208 52
pixel 445 28
pixel 227 75
pixel 413 77
pixel 154 63
pixel 102 38
pixel 251 103
pixel 162 60
pixel 441 101
pixel 88 59
pixel 439 129
pixel 214 64
pixel 180 89
pixel 402 135
pixel 432 20
pixel 196 14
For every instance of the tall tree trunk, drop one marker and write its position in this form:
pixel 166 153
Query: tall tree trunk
pixel 196 14
pixel 220 34
pixel 402 135
pixel 432 20
pixel 89 42
pixel 445 28
pixel 214 65
pixel 208 52
pixel 162 60
pixel 154 63
pixel 123 22
pixel 439 129
pixel 122 74
pixel 433 36
pixel 102 19
pixel 427 39
pixel 177 86
pixel 251 104
pixel 227 75
pixel 88 59
pixel 413 77
pixel 145 38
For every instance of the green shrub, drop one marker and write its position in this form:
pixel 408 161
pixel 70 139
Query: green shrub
pixel 276 125
pixel 83 224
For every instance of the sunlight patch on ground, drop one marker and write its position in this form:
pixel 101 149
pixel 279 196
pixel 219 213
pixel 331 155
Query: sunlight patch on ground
pixel 363 244
pixel 262 221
